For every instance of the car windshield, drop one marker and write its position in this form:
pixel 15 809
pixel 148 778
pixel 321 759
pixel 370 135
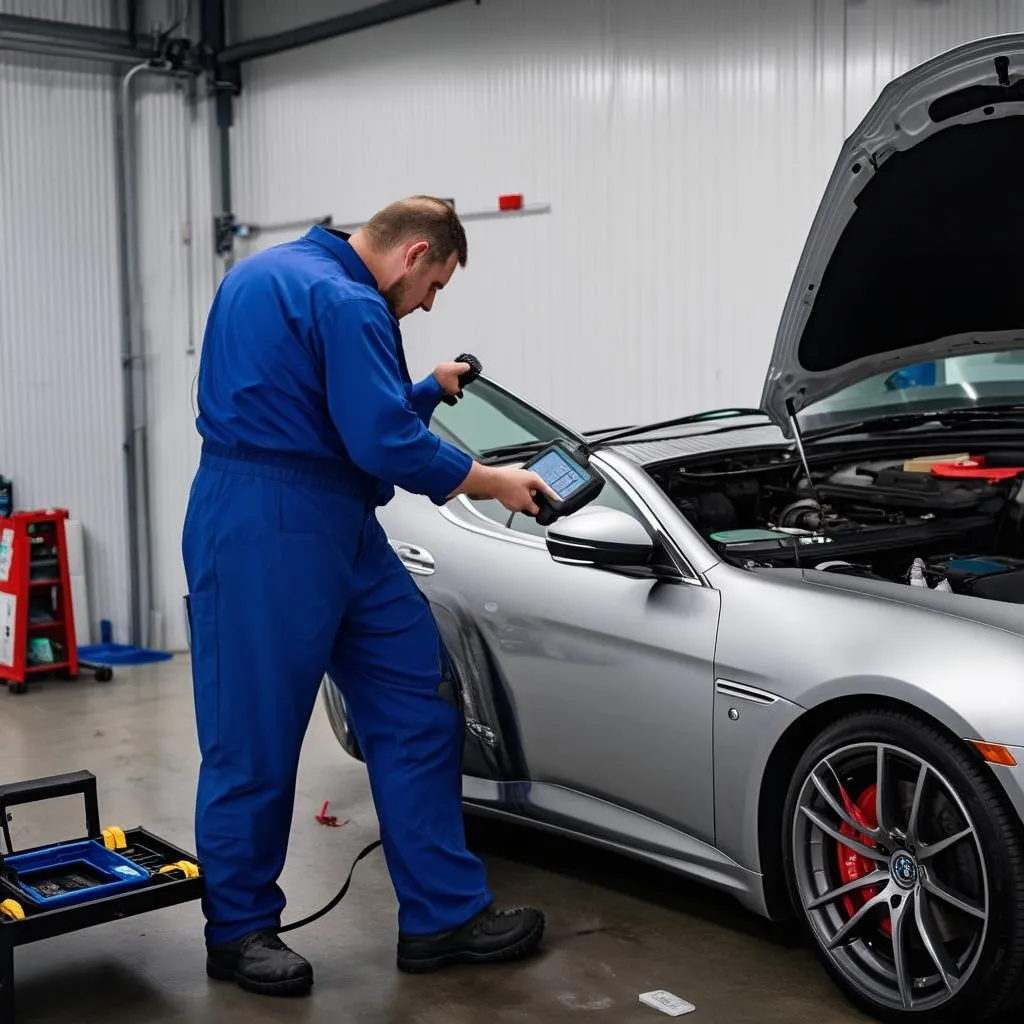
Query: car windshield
pixel 958 382
pixel 488 417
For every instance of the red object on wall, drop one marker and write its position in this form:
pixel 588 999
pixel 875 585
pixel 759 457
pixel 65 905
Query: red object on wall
pixel 511 201
pixel 35 595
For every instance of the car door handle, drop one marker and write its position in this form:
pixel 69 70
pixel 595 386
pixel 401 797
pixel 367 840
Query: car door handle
pixel 414 558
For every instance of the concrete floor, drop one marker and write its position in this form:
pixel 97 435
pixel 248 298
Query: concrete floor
pixel 615 928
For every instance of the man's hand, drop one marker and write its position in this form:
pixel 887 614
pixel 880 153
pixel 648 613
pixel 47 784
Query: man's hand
pixel 448 374
pixel 513 487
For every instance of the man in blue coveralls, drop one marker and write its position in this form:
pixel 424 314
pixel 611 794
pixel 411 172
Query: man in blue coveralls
pixel 309 421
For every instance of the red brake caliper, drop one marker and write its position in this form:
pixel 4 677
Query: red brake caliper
pixel 851 864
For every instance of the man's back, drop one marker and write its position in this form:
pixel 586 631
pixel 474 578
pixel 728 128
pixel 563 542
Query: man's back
pixel 261 379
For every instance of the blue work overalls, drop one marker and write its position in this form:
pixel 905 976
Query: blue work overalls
pixel 309 420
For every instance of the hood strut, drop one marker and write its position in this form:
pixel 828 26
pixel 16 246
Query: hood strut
pixel 798 437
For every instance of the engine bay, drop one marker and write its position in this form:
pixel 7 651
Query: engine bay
pixel 952 521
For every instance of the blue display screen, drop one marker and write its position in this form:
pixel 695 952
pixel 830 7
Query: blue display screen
pixel 563 476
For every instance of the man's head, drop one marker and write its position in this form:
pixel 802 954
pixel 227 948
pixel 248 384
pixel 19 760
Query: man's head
pixel 412 248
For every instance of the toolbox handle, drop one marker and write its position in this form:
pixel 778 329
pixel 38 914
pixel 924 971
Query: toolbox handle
pixel 49 788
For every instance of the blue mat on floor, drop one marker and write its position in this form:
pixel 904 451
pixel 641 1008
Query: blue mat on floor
pixel 120 654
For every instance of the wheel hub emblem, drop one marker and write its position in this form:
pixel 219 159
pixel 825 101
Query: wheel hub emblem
pixel 904 870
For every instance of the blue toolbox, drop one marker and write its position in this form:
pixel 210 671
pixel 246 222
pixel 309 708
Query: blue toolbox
pixel 105 875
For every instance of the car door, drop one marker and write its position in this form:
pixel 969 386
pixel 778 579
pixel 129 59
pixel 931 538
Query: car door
pixel 608 679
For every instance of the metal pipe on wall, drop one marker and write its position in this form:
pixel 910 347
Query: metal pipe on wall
pixel 189 88
pixel 304 35
pixel 225 83
pixel 43 29
pixel 71 51
pixel 69 39
pixel 133 366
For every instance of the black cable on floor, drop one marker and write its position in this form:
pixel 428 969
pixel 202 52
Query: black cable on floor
pixel 338 898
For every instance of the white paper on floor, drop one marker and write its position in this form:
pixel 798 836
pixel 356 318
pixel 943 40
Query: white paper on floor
pixel 667 1003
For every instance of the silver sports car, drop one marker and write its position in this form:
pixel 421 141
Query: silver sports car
pixel 782 651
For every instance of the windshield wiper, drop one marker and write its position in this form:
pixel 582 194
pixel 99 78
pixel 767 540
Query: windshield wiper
pixel 680 421
pixel 733 427
pixel 597 432
pixel 617 436
pixel 507 451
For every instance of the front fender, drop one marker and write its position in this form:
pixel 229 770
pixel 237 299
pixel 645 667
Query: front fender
pixel 789 650
pixel 815 639
pixel 913 693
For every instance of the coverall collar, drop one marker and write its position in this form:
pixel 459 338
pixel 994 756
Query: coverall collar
pixel 338 244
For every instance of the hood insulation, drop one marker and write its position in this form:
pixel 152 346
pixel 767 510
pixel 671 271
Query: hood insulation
pixel 933 249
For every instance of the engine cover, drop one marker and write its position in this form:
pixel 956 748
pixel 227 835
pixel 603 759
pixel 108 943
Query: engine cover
pixel 1004 586
pixel 896 488
pixel 993 577
pixel 850 540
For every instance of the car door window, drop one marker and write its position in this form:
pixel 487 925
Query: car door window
pixel 489 417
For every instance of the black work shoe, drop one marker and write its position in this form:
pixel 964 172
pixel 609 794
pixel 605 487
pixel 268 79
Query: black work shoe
pixel 260 962
pixel 492 936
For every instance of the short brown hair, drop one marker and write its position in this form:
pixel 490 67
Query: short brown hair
pixel 424 217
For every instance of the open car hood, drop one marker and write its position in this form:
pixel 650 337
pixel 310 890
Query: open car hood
pixel 915 251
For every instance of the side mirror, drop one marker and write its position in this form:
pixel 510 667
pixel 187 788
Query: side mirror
pixel 599 536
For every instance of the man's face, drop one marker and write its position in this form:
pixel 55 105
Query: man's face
pixel 420 278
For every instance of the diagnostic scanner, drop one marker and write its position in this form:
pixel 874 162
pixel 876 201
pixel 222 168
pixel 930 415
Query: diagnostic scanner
pixel 567 471
pixel 474 371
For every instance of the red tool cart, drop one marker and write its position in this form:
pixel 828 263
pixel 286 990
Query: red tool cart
pixel 37 621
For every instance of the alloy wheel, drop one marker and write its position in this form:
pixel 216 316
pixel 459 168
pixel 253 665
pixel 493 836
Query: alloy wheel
pixel 891 875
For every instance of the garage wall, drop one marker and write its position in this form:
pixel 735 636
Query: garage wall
pixel 885 37
pixel 179 274
pixel 678 144
pixel 61 397
pixel 60 315
pixel 683 147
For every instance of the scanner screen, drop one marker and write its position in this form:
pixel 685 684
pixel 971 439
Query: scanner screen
pixel 560 473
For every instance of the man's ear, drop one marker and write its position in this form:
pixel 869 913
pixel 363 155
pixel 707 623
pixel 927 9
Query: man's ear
pixel 416 253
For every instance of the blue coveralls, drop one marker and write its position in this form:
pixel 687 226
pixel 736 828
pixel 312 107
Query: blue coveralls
pixel 309 420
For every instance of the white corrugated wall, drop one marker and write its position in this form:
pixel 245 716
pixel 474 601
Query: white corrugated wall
pixel 60 315
pixel 61 396
pixel 683 147
pixel 178 279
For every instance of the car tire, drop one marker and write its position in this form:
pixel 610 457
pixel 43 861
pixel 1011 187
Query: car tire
pixel 339 719
pixel 945 884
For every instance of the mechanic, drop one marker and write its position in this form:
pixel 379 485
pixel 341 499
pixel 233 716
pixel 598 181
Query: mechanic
pixel 309 421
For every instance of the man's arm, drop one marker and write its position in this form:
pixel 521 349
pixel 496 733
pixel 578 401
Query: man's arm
pixel 425 396
pixel 380 429
pixel 375 418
